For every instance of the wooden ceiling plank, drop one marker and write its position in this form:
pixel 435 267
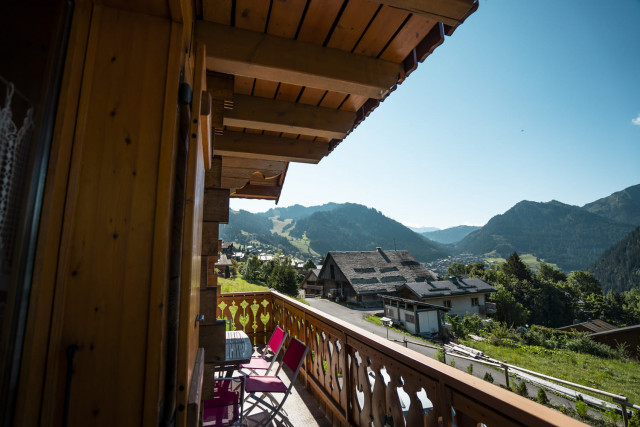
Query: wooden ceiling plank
pixel 281 116
pixel 285 18
pixel 383 27
pixel 265 88
pixel 236 162
pixel 333 99
pixel 258 192
pixel 354 20
pixel 245 173
pixel 253 131
pixel 232 129
pixel 318 21
pixel 276 59
pixel 236 144
pixel 311 96
pixel 252 14
pixel 217 11
pixel 272 132
pixel 416 28
pixel 289 135
pixel 353 103
pixel 449 12
pixel 243 85
pixel 288 92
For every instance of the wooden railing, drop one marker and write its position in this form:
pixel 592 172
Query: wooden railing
pixel 362 379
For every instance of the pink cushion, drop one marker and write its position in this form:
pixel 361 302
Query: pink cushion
pixel 220 415
pixel 256 363
pixel 267 384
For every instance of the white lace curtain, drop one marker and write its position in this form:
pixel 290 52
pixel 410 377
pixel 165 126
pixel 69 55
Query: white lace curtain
pixel 14 152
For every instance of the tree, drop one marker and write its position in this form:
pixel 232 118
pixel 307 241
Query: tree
pixel 309 265
pixel 456 269
pixel 547 272
pixel 515 267
pixel 251 269
pixel 581 284
pixel 283 278
pixel 508 310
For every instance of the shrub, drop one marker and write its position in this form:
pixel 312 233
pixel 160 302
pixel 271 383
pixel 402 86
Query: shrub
pixel 581 409
pixel 439 356
pixel 521 389
pixel 488 377
pixel 611 418
pixel 542 397
pixel 470 369
pixel 634 421
pixel 452 363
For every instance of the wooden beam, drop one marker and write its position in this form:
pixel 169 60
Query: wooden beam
pixel 236 162
pixel 251 191
pixel 449 12
pixel 281 116
pixel 253 146
pixel 246 53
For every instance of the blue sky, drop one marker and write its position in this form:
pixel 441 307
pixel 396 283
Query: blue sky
pixel 530 100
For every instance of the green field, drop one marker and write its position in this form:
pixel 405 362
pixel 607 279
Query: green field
pixel 612 375
pixel 530 260
pixel 240 285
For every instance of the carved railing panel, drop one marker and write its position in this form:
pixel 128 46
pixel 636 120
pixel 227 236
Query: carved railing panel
pixel 251 312
pixel 362 379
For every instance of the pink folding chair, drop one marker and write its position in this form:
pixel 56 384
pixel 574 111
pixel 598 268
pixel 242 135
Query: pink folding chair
pixel 261 363
pixel 225 409
pixel 267 386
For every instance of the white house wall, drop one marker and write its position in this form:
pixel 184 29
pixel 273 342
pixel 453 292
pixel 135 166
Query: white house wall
pixel 460 305
pixel 428 321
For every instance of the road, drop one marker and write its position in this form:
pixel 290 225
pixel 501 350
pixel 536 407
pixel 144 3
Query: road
pixel 356 316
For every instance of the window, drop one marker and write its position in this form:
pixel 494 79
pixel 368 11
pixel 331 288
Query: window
pixel 447 303
pixel 474 302
pixel 333 273
pixel 409 318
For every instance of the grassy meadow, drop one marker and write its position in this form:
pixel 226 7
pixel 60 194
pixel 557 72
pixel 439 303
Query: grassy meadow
pixel 612 375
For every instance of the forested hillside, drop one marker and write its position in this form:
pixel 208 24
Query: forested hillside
pixel 565 235
pixel 622 206
pixel 351 227
pixel 618 268
pixel 296 212
pixel 450 235
pixel 245 227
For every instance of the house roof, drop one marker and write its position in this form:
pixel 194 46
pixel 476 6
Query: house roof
pixel 593 326
pixel 380 271
pixel 289 81
pixel 312 274
pixel 226 245
pixel 451 287
pixel 223 261
pixel 616 330
pixel 425 306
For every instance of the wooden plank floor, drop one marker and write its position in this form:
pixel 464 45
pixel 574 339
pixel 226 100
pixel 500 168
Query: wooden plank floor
pixel 300 408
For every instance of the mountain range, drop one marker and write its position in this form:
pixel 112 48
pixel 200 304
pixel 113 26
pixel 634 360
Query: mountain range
pixel 572 237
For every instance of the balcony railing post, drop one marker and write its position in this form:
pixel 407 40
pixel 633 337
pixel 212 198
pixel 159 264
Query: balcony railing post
pixel 346 380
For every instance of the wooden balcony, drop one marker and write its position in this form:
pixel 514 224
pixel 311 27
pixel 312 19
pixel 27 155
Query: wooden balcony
pixel 359 379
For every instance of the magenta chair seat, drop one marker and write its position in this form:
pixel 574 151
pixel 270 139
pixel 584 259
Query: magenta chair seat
pixel 265 384
pixel 225 409
pixel 256 363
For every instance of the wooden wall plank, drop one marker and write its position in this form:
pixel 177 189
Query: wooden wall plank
pixel 160 277
pixel 38 327
pixel 104 270
pixel 191 266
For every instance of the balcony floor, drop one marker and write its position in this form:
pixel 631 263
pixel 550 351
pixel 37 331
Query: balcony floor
pixel 300 408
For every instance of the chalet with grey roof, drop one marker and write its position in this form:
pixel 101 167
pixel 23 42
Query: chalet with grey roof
pixel 359 277
pixel 460 294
